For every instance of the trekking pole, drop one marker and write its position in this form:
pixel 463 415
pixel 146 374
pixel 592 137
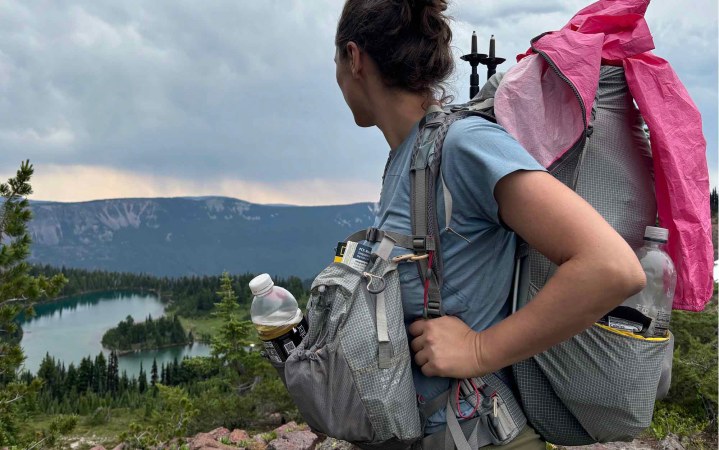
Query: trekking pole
pixel 474 59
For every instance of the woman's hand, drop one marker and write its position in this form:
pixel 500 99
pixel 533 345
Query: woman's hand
pixel 446 347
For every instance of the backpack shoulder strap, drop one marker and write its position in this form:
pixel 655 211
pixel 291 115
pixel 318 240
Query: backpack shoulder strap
pixel 424 174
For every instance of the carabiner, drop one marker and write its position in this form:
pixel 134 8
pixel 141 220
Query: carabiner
pixel 370 279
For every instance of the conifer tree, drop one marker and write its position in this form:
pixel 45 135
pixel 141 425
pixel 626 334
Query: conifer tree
pixel 142 380
pixel 234 334
pixel 153 374
pixel 18 291
pixel 113 379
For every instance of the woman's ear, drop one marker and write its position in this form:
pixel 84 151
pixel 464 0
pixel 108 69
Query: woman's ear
pixel 354 54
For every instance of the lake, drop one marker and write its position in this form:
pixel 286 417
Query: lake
pixel 71 328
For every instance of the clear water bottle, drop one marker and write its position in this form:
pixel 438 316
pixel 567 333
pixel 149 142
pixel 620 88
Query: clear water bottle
pixel 277 318
pixel 655 300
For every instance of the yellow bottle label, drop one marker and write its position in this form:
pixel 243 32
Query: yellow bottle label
pixel 269 332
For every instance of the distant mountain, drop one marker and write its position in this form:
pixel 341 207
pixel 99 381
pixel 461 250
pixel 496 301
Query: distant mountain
pixel 192 236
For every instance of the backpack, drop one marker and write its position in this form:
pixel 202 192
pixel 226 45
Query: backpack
pixel 600 385
pixel 351 377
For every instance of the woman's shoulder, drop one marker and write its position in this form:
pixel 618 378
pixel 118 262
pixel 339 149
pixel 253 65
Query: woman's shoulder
pixel 476 139
pixel 475 132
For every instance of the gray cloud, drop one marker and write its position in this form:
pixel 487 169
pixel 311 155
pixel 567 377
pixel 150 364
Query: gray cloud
pixel 198 90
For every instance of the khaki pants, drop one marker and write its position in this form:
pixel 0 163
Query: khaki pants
pixel 528 439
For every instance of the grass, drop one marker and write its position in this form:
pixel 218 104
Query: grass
pixel 203 327
pixel 105 434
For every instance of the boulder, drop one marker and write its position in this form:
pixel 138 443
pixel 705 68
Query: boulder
pixel 205 441
pixel 219 433
pixel 294 440
pixel 286 428
pixel 238 435
pixel 335 444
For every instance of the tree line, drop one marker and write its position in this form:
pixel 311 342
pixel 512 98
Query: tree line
pixel 187 296
pixel 150 334
pixel 97 383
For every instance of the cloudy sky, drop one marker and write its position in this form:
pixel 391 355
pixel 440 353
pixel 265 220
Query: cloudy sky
pixel 137 98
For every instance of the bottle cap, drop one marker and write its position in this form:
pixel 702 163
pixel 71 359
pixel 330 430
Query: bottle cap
pixel 261 284
pixel 656 234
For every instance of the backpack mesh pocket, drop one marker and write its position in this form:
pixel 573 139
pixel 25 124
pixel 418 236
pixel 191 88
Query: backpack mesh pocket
pixel 598 386
pixel 334 375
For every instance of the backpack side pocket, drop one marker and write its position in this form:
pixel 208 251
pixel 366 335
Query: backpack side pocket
pixel 605 379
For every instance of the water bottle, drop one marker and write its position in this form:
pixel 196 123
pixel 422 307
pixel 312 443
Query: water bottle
pixel 277 318
pixel 655 300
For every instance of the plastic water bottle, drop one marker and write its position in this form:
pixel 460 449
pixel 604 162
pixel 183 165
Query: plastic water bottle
pixel 277 318
pixel 655 300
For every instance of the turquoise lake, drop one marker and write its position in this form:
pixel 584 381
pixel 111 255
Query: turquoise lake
pixel 71 328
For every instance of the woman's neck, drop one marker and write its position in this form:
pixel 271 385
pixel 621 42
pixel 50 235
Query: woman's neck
pixel 396 114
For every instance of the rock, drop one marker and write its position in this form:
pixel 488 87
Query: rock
pixel 238 435
pixel 294 440
pixel 334 444
pixel 634 445
pixel 286 428
pixel 671 442
pixel 119 447
pixel 98 447
pixel 219 433
pixel 205 441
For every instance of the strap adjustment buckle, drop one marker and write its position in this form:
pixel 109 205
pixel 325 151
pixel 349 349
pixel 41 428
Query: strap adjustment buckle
pixel 419 243
pixel 373 234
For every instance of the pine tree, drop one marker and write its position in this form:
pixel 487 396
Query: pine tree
pixel 18 291
pixel 113 379
pixel 234 334
pixel 100 374
pixel 142 380
pixel 714 201
pixel 153 374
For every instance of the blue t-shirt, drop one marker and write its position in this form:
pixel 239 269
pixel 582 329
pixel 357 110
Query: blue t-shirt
pixel 478 264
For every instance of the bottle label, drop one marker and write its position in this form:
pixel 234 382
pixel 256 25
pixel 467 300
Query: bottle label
pixel 624 324
pixel 279 349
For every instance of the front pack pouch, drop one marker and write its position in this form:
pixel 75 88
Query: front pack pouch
pixel 351 376
pixel 598 386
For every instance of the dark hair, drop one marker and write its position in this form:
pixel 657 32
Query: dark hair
pixel 409 40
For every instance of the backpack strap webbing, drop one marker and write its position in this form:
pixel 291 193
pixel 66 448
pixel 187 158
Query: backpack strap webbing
pixel 424 173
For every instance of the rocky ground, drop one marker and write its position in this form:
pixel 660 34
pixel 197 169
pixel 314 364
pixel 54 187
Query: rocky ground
pixel 292 436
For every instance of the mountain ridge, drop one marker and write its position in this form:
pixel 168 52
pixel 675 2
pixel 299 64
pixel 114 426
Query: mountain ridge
pixel 175 236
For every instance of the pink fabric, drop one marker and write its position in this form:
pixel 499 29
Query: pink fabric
pixel 615 32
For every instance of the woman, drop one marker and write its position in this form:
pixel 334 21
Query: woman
pixel 392 57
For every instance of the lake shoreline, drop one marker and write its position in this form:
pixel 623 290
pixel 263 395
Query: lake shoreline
pixel 144 349
pixel 48 301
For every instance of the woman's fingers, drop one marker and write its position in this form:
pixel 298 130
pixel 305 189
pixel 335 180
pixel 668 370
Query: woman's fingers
pixel 443 347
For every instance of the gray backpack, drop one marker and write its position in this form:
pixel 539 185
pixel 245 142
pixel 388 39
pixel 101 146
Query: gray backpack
pixel 600 385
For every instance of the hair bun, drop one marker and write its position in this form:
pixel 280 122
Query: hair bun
pixel 419 4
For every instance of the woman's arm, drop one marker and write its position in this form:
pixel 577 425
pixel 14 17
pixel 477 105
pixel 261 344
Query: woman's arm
pixel 597 271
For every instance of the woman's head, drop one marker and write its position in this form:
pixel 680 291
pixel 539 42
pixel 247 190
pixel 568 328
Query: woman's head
pixel 407 40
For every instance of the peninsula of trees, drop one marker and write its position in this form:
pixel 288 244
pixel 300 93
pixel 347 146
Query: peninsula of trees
pixel 129 335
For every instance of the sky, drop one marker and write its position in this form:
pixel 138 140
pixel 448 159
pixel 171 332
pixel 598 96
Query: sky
pixel 168 98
